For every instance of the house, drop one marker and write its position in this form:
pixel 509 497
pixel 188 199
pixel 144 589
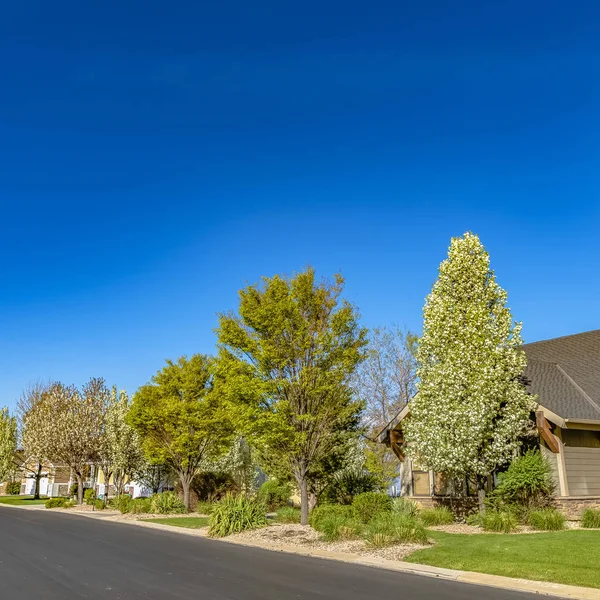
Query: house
pixel 565 375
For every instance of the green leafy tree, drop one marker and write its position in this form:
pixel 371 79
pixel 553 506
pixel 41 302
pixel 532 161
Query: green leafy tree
pixel 285 363
pixel 471 408
pixel 180 420
pixel 8 443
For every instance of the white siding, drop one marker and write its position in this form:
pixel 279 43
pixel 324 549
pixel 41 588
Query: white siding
pixel 583 471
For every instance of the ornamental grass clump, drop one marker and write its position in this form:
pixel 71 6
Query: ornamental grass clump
pixel 234 514
pixel 591 518
pixel 369 504
pixel 404 506
pixel 167 503
pixel 140 506
pixel 204 508
pixel 499 521
pixel 546 519
pixel 440 515
pixel 387 529
pixel 288 514
pixel 56 503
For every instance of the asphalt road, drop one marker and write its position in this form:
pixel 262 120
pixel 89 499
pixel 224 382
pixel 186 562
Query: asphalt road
pixel 50 556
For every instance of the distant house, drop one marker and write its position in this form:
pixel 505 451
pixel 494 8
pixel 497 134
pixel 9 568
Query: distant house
pixel 565 374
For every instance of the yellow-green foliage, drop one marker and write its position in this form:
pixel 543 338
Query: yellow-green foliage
pixel 390 528
pixel 440 515
pixel 499 521
pixel 591 518
pixel 546 519
pixel 369 504
pixel 234 514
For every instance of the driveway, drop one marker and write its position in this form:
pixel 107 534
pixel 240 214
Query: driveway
pixel 59 556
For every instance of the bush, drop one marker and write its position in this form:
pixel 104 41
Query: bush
pixel 212 485
pixel 56 503
pixel 324 512
pixel 440 515
pixel 167 503
pixel 274 494
pixel 204 508
pixel 348 484
pixel 98 504
pixel 335 527
pixel 499 521
pixel 89 496
pixel 390 528
pixel 526 485
pixel 475 519
pixel 234 514
pixel 288 514
pixel 591 518
pixel 140 506
pixel 121 503
pixel 13 488
pixel 369 504
pixel 404 506
pixel 546 519
pixel 73 490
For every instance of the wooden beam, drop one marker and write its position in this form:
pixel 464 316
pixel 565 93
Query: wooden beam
pixel 546 432
pixel 397 443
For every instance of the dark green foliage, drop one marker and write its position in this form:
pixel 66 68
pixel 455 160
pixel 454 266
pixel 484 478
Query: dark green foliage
pixel 349 483
pixel 73 490
pixel 499 521
pixel 234 514
pixel 546 519
pixel 121 503
pixel 274 494
pixel 369 504
pixel 56 503
pixel 440 515
pixel 211 486
pixel 591 518
pixel 13 488
pixel 98 504
pixel 389 528
pixel 89 496
pixel 167 503
pixel 526 485
pixel 404 506
pixel 288 514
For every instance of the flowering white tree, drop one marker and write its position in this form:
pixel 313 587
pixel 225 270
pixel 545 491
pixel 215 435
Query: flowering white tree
pixel 8 444
pixel 471 407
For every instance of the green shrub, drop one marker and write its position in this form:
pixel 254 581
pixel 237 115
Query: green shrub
pixel 499 521
pixel 73 489
pixel 140 506
pixel 167 503
pixel 122 503
pixel 99 504
pixel 89 496
pixel 288 514
pixel 591 518
pixel 546 519
pixel 13 488
pixel 369 504
pixel 475 519
pixel 404 506
pixel 211 486
pixel 349 483
pixel 204 508
pixel 56 503
pixel 324 512
pixel 335 527
pixel 440 515
pixel 234 514
pixel 526 485
pixel 274 494
pixel 390 528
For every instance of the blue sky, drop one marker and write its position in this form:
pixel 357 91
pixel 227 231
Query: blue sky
pixel 156 157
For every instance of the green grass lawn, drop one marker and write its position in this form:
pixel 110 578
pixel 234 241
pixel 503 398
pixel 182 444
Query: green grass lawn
pixel 187 522
pixel 570 557
pixel 21 500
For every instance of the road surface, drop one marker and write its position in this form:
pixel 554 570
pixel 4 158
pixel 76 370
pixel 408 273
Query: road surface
pixel 53 556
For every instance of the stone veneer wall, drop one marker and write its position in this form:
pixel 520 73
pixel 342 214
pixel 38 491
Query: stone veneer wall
pixel 460 506
pixel 573 506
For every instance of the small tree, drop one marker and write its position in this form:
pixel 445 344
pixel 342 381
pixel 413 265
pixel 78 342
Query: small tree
pixel 471 408
pixel 285 363
pixel 181 422
pixel 8 444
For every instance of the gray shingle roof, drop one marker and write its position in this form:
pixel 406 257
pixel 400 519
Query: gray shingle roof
pixel 565 373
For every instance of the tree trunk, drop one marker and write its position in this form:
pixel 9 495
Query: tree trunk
pixel 481 481
pixel 79 488
pixel 38 476
pixel 185 486
pixel 304 508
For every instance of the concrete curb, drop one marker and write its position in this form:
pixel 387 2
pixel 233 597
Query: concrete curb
pixel 482 579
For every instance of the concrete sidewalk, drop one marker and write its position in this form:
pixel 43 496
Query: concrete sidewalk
pixel 482 579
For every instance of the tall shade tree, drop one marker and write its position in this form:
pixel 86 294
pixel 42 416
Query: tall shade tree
pixel 285 363
pixel 471 408
pixel 180 420
pixel 8 443
pixel 67 424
